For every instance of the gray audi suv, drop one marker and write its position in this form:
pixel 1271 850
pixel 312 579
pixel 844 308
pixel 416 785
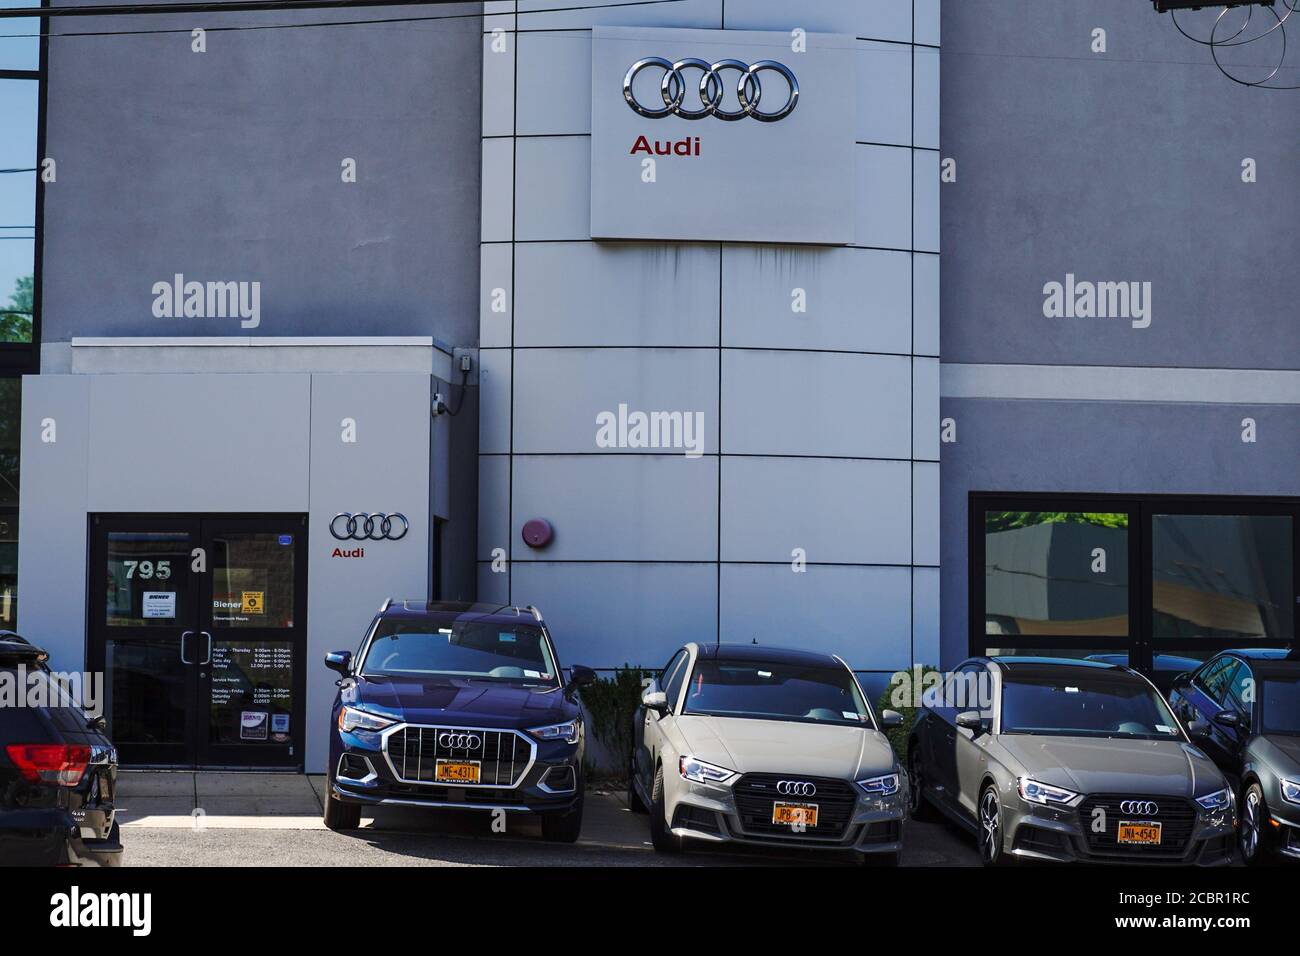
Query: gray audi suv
pixel 1067 760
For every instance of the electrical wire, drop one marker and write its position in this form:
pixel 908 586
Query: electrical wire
pixel 1215 42
pixel 271 5
pixel 464 387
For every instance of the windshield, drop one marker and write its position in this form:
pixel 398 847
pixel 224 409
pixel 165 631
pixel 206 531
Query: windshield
pixel 1280 705
pixel 775 691
pixel 1085 706
pixel 473 650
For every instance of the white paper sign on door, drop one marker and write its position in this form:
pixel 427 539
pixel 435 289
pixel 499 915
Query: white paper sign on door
pixel 160 604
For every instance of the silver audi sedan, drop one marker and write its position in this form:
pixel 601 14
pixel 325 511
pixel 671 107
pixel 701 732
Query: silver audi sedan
pixel 753 744
pixel 1067 760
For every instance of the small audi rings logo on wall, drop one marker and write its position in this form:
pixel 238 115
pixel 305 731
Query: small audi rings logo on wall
pixel 796 788
pixel 1143 808
pixel 712 87
pixel 369 527
pixel 460 741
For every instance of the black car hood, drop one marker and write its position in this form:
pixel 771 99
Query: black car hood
pixel 460 702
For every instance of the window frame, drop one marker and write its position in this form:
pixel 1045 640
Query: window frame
pixel 24 358
pixel 1140 644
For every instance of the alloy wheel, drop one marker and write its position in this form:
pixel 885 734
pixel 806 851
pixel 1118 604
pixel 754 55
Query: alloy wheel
pixel 1250 825
pixel 990 827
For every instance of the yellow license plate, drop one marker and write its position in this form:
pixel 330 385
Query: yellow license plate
pixel 456 771
pixel 1148 833
pixel 795 813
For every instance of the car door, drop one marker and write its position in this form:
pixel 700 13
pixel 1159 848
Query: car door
pixel 941 763
pixel 970 753
pixel 646 730
pixel 1208 695
pixel 1240 690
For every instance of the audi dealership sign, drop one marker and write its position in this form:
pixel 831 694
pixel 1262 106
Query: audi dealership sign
pixel 722 134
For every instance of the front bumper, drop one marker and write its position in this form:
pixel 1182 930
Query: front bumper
pixel 1283 828
pixel 365 771
pixel 710 814
pixel 1066 835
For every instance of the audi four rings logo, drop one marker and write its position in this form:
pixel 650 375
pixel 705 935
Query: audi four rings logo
pixel 712 88
pixel 796 788
pixel 1144 808
pixel 369 527
pixel 460 741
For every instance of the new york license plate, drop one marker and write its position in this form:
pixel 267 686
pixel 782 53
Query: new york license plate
pixel 795 813
pixel 1148 833
pixel 456 771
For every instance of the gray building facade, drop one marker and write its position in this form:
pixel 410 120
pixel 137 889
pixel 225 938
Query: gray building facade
pixel 274 262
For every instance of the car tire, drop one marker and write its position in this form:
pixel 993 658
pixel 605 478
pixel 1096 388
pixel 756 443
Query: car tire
pixel 340 815
pixel 634 801
pixel 661 837
pixel 563 827
pixel 918 807
pixel 1254 838
pixel 988 816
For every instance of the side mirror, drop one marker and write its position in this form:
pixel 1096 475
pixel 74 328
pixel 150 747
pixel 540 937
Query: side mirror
pixel 340 661
pixel 889 719
pixel 655 700
pixel 971 720
pixel 1227 718
pixel 579 677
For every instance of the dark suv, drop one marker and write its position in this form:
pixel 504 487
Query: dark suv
pixel 58 771
pixel 457 706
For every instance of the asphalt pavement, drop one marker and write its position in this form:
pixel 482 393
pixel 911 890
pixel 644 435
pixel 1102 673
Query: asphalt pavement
pixel 185 819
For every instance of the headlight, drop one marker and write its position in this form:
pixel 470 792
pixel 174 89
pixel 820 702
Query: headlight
pixel 1290 790
pixel 882 786
pixel 350 718
pixel 568 732
pixel 1033 791
pixel 1219 800
pixel 700 772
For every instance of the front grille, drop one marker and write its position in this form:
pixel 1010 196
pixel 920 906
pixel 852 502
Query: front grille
pixel 755 793
pixel 504 756
pixel 1177 818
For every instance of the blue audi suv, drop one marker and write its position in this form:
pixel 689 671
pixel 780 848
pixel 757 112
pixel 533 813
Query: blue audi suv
pixel 457 706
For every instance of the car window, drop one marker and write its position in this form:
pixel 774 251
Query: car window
pixel 465 649
pixel 776 690
pixel 675 677
pixel 1214 678
pixel 668 668
pixel 1085 705
pixel 1240 691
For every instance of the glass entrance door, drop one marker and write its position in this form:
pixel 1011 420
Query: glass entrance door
pixel 198 624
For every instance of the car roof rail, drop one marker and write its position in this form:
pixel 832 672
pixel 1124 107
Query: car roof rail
pixel 536 613
pixel 388 602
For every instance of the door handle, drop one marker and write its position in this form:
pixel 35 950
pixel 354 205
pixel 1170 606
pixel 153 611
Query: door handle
pixel 208 658
pixel 184 635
